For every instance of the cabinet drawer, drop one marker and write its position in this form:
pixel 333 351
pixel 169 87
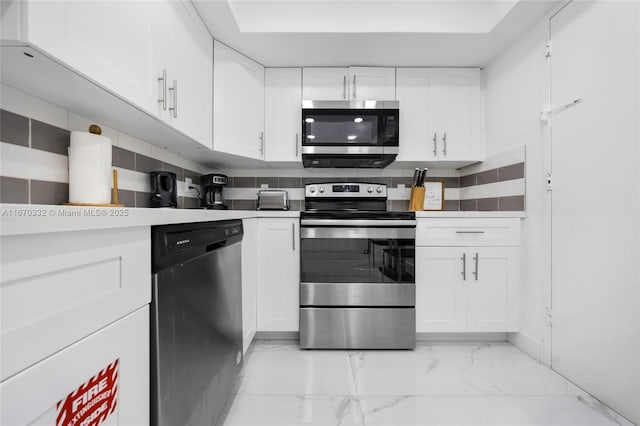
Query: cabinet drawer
pixel 468 232
pixel 117 355
pixel 57 288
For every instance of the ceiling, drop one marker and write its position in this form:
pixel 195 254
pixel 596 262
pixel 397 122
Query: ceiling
pixel 282 33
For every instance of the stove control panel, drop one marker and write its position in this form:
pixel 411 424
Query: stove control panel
pixel 345 190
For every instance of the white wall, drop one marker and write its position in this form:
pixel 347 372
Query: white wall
pixel 515 89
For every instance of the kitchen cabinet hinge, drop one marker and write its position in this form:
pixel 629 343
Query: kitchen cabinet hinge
pixel 547 49
pixel 549 316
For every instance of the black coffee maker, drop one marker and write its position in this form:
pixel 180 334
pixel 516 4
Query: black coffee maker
pixel 212 186
pixel 164 190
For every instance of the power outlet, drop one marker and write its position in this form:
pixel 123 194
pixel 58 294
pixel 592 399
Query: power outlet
pixel 401 189
pixel 264 186
pixel 188 182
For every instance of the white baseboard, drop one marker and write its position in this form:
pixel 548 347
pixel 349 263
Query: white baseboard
pixel 461 337
pixel 528 344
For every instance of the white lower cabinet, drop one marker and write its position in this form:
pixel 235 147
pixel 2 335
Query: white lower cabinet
pixel 249 281
pixel 278 274
pixel 105 375
pixel 467 288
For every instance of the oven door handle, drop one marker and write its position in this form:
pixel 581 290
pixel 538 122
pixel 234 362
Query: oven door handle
pixel 327 232
pixel 359 223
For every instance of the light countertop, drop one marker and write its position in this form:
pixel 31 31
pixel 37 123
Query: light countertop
pixel 21 219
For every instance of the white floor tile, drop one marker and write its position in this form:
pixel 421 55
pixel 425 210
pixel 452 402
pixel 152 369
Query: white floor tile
pixel 287 370
pixel 436 384
pixel 268 410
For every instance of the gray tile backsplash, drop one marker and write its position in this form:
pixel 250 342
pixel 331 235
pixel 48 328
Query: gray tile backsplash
pixel 514 171
pixel 146 164
pixel 128 198
pixel 123 158
pixel 14 128
pixel 43 192
pixel 50 138
pixel 14 190
pixel 489 176
pixel 514 203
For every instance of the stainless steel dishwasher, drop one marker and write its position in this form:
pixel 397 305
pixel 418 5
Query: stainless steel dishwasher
pixel 196 321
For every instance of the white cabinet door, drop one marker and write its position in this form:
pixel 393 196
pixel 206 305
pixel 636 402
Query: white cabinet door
pixel 414 92
pixel 110 43
pixel 440 290
pixel 325 84
pixel 491 288
pixel 279 274
pixel 189 69
pixel 372 83
pixel 249 281
pixel 282 124
pixel 238 103
pixel 455 108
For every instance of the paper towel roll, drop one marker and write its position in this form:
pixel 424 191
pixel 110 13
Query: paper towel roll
pixel 89 168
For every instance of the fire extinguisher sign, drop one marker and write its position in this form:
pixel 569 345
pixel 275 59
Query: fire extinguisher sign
pixel 93 401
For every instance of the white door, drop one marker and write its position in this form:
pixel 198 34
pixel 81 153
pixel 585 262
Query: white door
pixel 413 93
pixel 190 70
pixel 279 274
pixel 372 83
pixel 595 57
pixel 110 43
pixel 440 289
pixel 249 281
pixel 238 103
pixel 492 275
pixel 455 113
pixel 325 84
pixel 283 114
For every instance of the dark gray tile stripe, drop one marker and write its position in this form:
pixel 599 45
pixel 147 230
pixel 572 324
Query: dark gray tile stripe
pixel 44 192
pixel 514 203
pixel 489 176
pixel 14 190
pixel 511 172
pixel 46 137
pixel 500 174
pixel 123 158
pixel 14 128
pixel 469 180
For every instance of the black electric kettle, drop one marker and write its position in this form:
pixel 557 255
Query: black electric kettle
pixel 164 189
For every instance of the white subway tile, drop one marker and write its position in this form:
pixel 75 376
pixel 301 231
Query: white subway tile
pixel 19 102
pixel 78 123
pixel 25 163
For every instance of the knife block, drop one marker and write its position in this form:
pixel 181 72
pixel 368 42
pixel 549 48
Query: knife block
pixel 416 202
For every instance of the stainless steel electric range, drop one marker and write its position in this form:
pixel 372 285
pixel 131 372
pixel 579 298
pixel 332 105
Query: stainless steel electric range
pixel 357 269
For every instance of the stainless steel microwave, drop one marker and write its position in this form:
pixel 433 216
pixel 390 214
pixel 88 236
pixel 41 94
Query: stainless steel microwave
pixel 349 133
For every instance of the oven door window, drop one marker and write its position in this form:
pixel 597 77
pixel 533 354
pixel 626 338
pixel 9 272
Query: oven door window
pixel 322 127
pixel 357 260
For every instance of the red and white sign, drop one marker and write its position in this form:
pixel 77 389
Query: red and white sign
pixel 93 402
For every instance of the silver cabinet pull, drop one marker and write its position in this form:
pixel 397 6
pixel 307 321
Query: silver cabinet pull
pixel 163 99
pixel 174 91
pixel 344 87
pixel 293 236
pixel 444 144
pixel 354 87
pixel 464 266
pixel 297 145
pixel 469 232
pixel 475 273
pixel 262 143
pixel 435 144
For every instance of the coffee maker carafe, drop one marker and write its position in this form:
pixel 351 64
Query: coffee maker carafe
pixel 212 196
pixel 164 189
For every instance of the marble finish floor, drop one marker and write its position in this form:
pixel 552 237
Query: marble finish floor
pixel 436 384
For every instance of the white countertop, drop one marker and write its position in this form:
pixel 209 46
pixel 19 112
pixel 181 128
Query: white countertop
pixel 21 219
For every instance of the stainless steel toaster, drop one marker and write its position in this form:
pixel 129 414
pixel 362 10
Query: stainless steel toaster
pixel 273 199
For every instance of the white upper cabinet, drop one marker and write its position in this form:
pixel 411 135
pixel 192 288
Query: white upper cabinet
pixel 354 83
pixel 282 125
pixel 153 55
pixel 372 83
pixel 440 115
pixel 325 84
pixel 188 62
pixel 238 103
pixel 110 43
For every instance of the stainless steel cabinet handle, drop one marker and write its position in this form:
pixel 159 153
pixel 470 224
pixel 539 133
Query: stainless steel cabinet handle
pixel 354 87
pixel 163 99
pixel 344 87
pixel 469 232
pixel 297 145
pixel 174 90
pixel 435 144
pixel 475 273
pixel 261 143
pixel 464 266
pixel 293 236
pixel 444 143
